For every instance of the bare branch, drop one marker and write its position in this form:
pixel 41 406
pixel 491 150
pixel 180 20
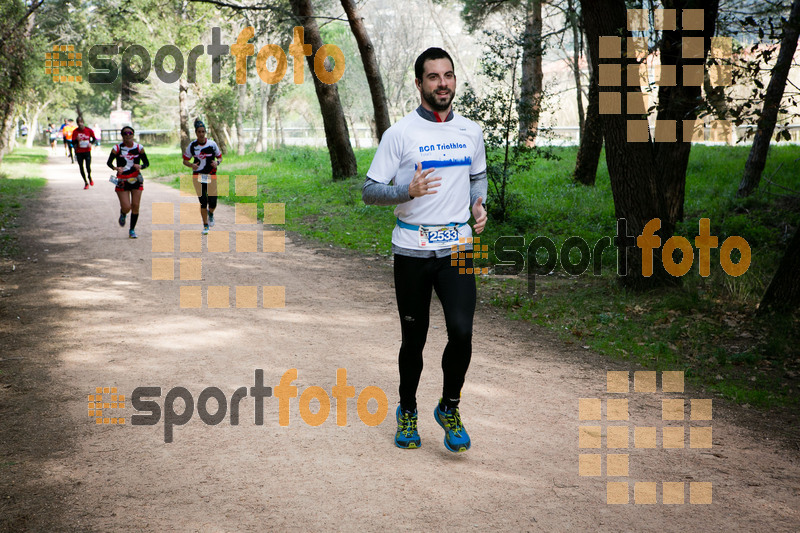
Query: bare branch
pixel 34 6
pixel 285 13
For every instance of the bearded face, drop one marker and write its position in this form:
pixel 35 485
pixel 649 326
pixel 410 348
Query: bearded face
pixel 438 84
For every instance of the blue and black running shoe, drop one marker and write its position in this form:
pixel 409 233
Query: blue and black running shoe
pixel 407 435
pixel 456 438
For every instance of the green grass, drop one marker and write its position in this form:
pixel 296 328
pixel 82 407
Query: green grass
pixel 20 183
pixel 316 207
pixel 706 327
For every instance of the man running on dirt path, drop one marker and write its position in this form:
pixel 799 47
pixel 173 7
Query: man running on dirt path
pixel 432 214
pixel 82 139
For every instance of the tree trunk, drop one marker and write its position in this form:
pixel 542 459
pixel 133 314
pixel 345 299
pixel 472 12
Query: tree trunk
pixel 218 133
pixel 577 45
pixel 6 126
pixel 240 144
pixel 273 95
pixel 233 135
pixel 373 131
pixel 355 132
pixel 370 62
pixel 39 110
pixel 772 103
pixel 679 103
pixel 126 92
pixel 230 135
pixel 633 184
pixel 529 107
pixel 591 137
pixel 31 122
pixel 263 123
pixel 715 97
pixel 279 134
pixel 183 112
pixel 647 178
pixel 343 161
pixel 14 66
pixel 783 293
pixel 33 129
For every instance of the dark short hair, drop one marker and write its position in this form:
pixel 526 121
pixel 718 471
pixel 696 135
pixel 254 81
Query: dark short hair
pixel 430 53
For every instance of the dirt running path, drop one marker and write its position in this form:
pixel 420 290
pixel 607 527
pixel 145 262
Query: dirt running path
pixel 87 314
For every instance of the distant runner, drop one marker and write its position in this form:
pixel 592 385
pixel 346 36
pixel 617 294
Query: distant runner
pixel 69 127
pixel 83 138
pixel 52 134
pixel 203 156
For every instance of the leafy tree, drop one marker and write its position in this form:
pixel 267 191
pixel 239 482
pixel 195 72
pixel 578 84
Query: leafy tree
pixel 772 103
pixel 370 65
pixel 354 89
pixel 475 13
pixel 398 41
pixel 591 143
pixel 16 62
pixel 343 160
pixel 220 105
pixel 495 110
pixel 783 293
pixel 648 178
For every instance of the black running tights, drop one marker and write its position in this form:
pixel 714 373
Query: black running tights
pixel 414 279
pixel 87 157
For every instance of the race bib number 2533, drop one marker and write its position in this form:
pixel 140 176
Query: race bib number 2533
pixel 438 235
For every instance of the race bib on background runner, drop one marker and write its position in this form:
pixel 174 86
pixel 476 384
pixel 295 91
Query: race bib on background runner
pixel 205 178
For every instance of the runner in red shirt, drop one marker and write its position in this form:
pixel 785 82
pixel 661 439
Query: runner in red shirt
pixel 82 139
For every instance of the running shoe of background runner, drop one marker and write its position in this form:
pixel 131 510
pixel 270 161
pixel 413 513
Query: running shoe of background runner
pixel 407 435
pixel 210 219
pixel 122 219
pixel 456 438
pixel 132 234
pixel 205 229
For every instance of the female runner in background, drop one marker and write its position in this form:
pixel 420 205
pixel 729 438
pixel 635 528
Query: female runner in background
pixel 128 158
